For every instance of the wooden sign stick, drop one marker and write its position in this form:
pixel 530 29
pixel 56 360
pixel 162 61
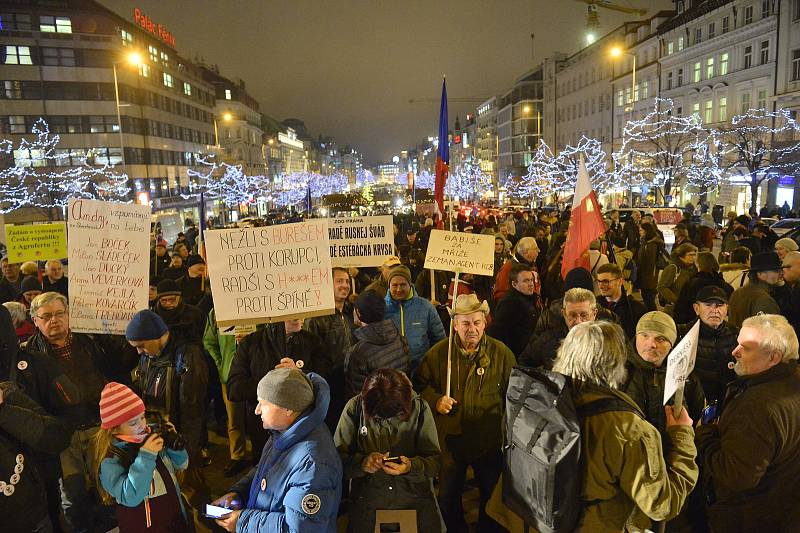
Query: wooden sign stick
pixel 450 337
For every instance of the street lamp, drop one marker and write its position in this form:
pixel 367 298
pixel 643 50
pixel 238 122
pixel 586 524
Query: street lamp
pixel 226 117
pixel 134 59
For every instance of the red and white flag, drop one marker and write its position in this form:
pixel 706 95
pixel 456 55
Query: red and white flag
pixel 585 224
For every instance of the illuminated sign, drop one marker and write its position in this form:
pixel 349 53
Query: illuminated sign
pixel 147 24
pixel 457 139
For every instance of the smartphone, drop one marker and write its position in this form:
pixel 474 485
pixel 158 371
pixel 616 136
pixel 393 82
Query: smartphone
pixel 395 459
pixel 213 511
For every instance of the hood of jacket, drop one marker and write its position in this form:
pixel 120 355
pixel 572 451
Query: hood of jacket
pixel 379 333
pixel 309 420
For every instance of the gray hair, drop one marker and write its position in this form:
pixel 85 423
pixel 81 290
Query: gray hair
pixel 594 352
pixel 17 311
pixel 47 298
pixel 577 295
pixel 525 244
pixel 779 336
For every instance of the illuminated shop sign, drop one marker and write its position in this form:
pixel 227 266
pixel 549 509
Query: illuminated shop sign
pixel 147 24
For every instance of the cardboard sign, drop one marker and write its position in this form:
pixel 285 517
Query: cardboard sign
pixel 680 362
pixel 273 272
pixel 37 242
pixel 361 241
pixel 465 253
pixel 109 252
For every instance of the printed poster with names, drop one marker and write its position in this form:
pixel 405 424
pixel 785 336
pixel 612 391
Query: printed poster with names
pixel 271 272
pixel 361 241
pixel 465 253
pixel 109 260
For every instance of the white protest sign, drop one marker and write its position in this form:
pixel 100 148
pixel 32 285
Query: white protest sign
pixel 680 362
pixel 361 241
pixel 109 252
pixel 465 253
pixel 272 272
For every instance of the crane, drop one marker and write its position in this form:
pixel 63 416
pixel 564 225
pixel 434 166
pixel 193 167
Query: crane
pixel 592 20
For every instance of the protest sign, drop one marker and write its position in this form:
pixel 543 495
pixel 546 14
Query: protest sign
pixel 109 261
pixel 680 364
pixel 36 242
pixel 361 241
pixel 238 330
pixel 460 252
pixel 273 272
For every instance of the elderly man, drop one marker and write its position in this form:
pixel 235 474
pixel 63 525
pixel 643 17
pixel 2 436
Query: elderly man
pixel 469 415
pixel 750 454
pixel 54 279
pixel 415 317
pixel 89 361
pixel 716 341
pixel 297 484
pixel 766 272
pixel 12 279
pixel 516 314
pixel 184 320
pixel 525 252
pixel 614 298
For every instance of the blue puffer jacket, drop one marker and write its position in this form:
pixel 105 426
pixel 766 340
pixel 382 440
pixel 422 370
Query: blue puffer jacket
pixel 418 322
pixel 297 484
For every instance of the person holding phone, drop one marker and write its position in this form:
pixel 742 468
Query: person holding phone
pixel 390 452
pixel 135 469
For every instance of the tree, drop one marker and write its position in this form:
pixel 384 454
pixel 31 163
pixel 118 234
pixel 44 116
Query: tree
pixel 468 182
pixel 225 182
pixel 425 180
pixel 707 169
pixel 540 180
pixel 564 168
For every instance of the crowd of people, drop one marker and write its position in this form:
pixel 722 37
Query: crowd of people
pixel 376 415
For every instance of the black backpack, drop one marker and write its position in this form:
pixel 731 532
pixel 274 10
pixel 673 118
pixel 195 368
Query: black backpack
pixel 542 471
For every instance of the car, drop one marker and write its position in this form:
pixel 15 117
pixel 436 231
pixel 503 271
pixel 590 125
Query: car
pixel 782 227
pixel 793 234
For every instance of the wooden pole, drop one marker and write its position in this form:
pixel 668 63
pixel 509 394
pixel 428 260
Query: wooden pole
pixel 678 405
pixel 450 337
pixel 433 285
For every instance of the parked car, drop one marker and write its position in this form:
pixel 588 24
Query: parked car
pixel 784 226
pixel 793 234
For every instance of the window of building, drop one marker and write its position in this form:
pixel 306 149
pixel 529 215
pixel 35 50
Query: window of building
pixel 64 57
pixel 645 86
pixel 164 58
pixel 620 98
pixel 15 21
pixel 696 110
pixel 748 15
pixel 144 70
pixel 669 80
pixel 726 24
pixel 103 124
pixel 187 89
pixel 698 35
pixel 795 10
pixel 12 90
pixel 127 38
pixel 762 99
pixel 153 52
pixel 745 103
pixel 55 24
pixel 680 77
pixel 16 124
pixel 168 80
pixel 628 95
pixel 748 56
pixel 712 30
pixel 680 43
pixel 708 117
pixel 723 63
pixel 795 64
pixel 679 111
pixel 18 55
pixel 227 94
pixel 636 93
pixel 671 47
pixel 698 72
pixel 723 109
pixel 765 8
pixel 764 52
pixel 709 68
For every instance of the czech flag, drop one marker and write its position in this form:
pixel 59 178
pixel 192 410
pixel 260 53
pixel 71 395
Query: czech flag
pixel 585 224
pixel 442 159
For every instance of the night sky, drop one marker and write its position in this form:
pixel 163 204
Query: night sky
pixel 348 68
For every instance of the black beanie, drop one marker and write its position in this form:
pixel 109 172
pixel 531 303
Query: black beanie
pixel 30 283
pixel 195 260
pixel 168 287
pixel 578 277
pixel 371 307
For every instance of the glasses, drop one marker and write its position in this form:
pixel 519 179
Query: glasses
pixel 585 317
pixel 47 317
pixel 606 281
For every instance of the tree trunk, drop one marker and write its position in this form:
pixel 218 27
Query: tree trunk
pixel 754 194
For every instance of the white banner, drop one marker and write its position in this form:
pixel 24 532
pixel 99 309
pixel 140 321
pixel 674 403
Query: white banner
pixel 109 260
pixel 361 241
pixel 465 253
pixel 680 362
pixel 272 272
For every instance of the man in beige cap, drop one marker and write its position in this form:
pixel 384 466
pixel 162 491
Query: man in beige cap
pixel 468 415
pixel 381 283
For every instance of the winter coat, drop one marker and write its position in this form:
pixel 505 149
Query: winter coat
pixel 175 273
pixel 418 322
pixel 480 397
pixel 185 321
pixel 627 478
pixel 514 319
pixel 60 286
pixel 193 289
pixel 138 488
pixel 683 310
pixel 672 280
pixel 750 458
pixel 222 348
pixel 630 231
pixel 735 274
pixel 750 300
pixel 297 484
pixel 378 345
pixel 646 262
pixel 414 438
pixel 262 350
pixel 714 349
pixel 158 264
pixel 645 386
pixel 627 310
pixel 441 279
pixel 621 257
pixel 9 292
pixel 336 333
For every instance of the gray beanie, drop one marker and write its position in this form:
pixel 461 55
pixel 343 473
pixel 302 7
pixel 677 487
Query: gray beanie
pixel 289 388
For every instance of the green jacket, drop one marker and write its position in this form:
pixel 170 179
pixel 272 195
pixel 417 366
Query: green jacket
pixel 480 397
pixel 672 280
pixel 750 300
pixel 221 347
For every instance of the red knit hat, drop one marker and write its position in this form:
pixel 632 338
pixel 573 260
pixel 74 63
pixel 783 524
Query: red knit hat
pixel 118 404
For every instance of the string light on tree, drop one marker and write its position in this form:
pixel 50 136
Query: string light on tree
pixel 224 182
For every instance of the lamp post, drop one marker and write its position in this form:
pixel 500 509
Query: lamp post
pixel 133 58
pixel 226 117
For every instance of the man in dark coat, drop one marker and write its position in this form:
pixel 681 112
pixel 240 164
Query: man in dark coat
pixel 614 298
pixel 630 230
pixel 194 285
pixel 12 279
pixel 184 320
pixel 790 304
pixel 54 279
pixel 516 314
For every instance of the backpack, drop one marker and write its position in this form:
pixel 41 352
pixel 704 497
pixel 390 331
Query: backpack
pixel 630 270
pixel 662 258
pixel 159 382
pixel 542 470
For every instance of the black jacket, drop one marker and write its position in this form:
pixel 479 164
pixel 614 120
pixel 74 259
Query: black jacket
pixel 158 264
pixel 378 345
pixel 714 349
pixel 335 331
pixel 186 321
pixel 259 352
pixel 683 310
pixel 627 310
pixel 193 290
pixel 514 319
pixel 9 292
pixel 61 286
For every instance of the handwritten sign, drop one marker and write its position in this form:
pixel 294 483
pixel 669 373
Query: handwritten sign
pixel 37 242
pixel 109 250
pixel 680 362
pixel 362 241
pixel 259 274
pixel 460 252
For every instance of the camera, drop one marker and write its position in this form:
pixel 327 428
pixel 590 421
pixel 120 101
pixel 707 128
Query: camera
pixel 159 424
